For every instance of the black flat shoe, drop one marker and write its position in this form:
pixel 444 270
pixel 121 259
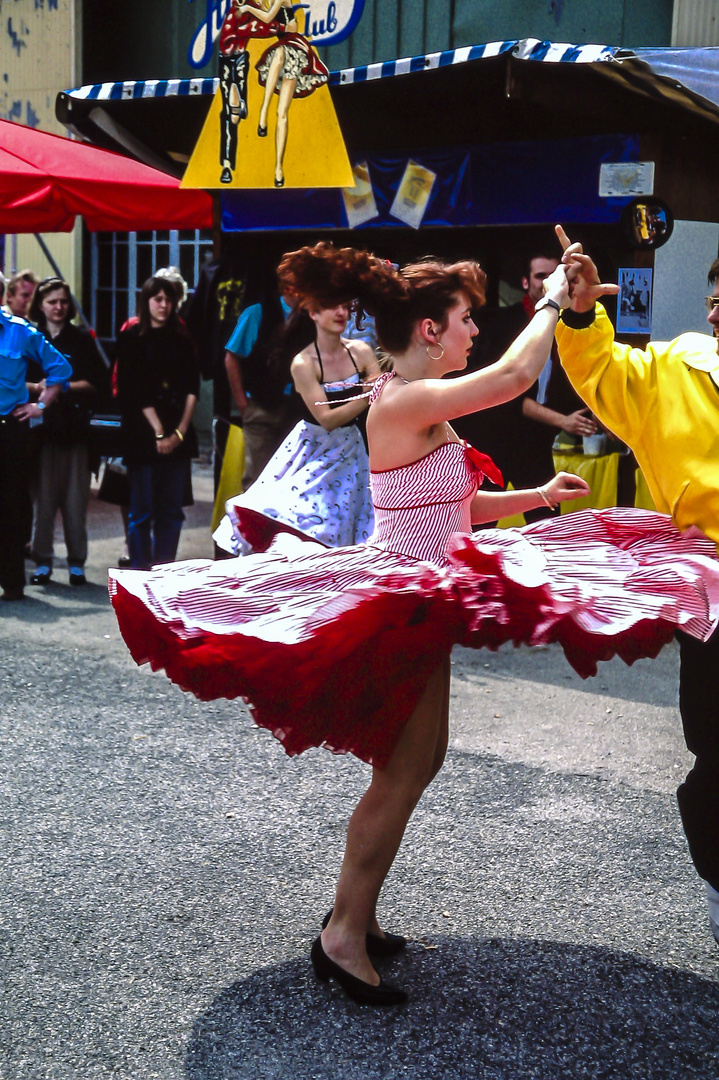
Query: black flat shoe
pixel 362 992
pixel 376 946
pixel 261 131
pixel 41 577
pixel 280 182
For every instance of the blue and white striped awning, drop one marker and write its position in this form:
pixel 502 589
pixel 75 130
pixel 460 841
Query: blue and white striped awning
pixel 525 49
pixel 692 71
pixel 144 88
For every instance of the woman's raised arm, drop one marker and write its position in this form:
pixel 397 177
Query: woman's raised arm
pixel 431 401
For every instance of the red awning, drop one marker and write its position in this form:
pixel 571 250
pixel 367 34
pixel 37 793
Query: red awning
pixel 46 180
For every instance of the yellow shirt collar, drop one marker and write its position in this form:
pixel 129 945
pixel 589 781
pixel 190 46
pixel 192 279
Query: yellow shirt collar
pixel 702 359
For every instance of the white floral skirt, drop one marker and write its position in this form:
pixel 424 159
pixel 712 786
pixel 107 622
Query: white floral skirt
pixel 316 483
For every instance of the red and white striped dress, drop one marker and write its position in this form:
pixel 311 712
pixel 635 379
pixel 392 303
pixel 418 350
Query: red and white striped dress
pixel 419 506
pixel 332 646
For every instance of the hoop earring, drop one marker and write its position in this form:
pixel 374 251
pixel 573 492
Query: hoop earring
pixel 429 354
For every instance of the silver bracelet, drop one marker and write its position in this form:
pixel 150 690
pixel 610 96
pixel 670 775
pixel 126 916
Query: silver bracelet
pixel 546 500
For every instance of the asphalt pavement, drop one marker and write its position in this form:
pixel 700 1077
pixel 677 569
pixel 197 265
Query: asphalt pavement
pixel 166 867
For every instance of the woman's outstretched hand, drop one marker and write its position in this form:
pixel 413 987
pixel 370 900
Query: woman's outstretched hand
pixel 585 287
pixel 565 486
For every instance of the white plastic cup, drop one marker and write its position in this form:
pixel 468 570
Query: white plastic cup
pixel 593 445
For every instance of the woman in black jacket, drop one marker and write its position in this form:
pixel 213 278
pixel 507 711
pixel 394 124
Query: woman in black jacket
pixel 65 466
pixel 158 384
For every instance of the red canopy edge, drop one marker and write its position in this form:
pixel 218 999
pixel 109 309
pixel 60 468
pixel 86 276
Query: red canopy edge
pixel 46 180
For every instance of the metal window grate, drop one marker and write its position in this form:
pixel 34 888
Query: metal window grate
pixel 121 262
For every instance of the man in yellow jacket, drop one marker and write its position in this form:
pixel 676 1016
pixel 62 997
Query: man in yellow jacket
pixel 663 401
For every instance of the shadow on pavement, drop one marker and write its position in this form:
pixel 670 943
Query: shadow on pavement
pixel 650 681
pixel 503 1008
pixel 55 601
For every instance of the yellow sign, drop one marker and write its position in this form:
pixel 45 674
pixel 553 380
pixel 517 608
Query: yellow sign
pixel 272 123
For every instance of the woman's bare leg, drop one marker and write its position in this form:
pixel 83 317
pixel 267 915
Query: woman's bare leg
pixel 377 826
pixel 287 92
pixel 440 752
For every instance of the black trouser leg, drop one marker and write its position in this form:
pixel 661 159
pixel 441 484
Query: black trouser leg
pixel 233 72
pixel 228 130
pixel 242 65
pixel 15 505
pixel 698 796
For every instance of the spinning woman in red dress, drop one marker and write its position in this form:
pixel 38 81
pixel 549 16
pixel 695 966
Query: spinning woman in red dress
pixel 362 635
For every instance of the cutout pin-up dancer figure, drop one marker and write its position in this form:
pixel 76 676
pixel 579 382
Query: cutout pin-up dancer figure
pixel 289 68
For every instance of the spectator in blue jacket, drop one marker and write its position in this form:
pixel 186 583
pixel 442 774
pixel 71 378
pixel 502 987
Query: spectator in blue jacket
pixel 20 343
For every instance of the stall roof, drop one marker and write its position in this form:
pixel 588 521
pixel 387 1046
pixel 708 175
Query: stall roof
pixel 528 49
pixel 593 88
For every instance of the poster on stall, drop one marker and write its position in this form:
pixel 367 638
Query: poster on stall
pixel 413 194
pixel 634 306
pixel 272 123
pixel 360 204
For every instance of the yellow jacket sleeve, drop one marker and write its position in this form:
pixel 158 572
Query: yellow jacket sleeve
pixel 616 381
pixel 663 402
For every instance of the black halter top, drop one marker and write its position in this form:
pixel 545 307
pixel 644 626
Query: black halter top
pixel 337 392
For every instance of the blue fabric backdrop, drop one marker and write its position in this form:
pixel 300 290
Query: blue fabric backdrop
pixel 515 183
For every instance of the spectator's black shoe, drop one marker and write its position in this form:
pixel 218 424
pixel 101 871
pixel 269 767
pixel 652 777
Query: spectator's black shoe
pixel 362 992
pixel 76 576
pixel 10 595
pixel 41 576
pixel 377 946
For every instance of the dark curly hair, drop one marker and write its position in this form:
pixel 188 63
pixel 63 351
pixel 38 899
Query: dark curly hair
pixel 324 276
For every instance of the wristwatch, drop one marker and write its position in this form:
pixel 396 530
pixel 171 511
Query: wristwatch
pixel 546 302
pixel 41 405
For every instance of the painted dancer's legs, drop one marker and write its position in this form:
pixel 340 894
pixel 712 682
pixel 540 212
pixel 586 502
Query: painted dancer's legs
pixel 273 75
pixel 233 93
pixel 287 92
